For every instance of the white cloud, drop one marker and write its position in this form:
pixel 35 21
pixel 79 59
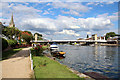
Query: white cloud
pixel 69 32
pixel 88 32
pixel 46 12
pixel 75 27
pixel 27 18
pixel 40 24
pixel 90 3
pixel 25 9
pixel 74 8
pixel 113 17
pixel 68 23
pixel 93 3
pixel 57 0
pixel 10 5
pixel 110 2
pixel 76 13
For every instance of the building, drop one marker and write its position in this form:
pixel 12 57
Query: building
pixel 88 39
pixel 11 24
pixel 101 38
pixel 80 39
pixel 94 37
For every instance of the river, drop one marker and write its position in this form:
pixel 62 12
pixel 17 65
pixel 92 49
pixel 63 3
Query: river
pixel 100 59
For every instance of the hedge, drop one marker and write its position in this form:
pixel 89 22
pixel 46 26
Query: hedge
pixel 4 43
pixel 12 43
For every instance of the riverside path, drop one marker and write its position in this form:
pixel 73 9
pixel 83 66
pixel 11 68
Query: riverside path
pixel 17 66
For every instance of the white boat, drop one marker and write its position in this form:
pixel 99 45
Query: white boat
pixel 54 47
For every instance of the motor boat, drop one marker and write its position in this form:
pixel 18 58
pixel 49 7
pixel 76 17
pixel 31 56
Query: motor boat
pixel 54 47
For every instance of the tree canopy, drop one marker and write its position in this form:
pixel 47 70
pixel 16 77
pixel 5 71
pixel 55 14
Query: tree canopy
pixel 110 34
pixel 27 36
pixel 87 36
pixel 10 32
pixel 39 36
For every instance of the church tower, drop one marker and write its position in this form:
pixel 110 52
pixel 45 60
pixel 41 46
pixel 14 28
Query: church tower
pixel 11 24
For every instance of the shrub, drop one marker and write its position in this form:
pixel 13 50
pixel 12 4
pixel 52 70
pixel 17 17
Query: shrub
pixel 4 44
pixel 38 50
pixel 12 43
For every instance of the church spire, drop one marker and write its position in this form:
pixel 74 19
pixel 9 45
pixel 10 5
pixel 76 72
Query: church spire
pixel 12 22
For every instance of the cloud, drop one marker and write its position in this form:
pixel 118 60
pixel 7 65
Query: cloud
pixel 72 12
pixel 19 11
pixel 93 3
pixel 10 5
pixel 110 2
pixel 23 8
pixel 68 24
pixel 46 12
pixel 28 18
pixel 56 0
pixel 113 17
pixel 75 27
pixel 88 32
pixel 100 3
pixel 69 32
pixel 73 8
pixel 40 24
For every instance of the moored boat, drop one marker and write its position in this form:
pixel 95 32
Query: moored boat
pixel 54 47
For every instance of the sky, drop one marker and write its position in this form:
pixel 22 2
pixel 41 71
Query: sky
pixel 62 20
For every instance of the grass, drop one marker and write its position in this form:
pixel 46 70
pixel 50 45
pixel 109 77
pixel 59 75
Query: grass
pixel 7 54
pixel 44 67
pixel 45 47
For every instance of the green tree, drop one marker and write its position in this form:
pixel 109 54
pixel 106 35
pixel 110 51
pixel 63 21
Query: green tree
pixel 10 32
pixel 87 36
pixel 27 36
pixel 110 34
pixel 39 36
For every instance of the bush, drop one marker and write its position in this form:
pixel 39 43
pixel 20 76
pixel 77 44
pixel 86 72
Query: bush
pixel 38 50
pixel 4 44
pixel 12 43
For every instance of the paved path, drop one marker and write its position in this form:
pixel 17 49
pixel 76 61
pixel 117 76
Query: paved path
pixel 17 66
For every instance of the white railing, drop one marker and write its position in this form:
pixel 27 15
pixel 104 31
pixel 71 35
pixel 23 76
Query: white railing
pixel 31 60
pixel 76 41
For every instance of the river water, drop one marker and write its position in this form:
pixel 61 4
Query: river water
pixel 100 59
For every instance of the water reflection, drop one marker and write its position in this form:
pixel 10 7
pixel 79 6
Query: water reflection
pixel 101 59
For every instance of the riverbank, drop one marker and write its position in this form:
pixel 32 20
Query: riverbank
pixel 47 67
pixel 81 75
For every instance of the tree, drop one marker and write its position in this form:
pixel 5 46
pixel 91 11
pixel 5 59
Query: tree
pixel 87 36
pixel 27 36
pixel 110 34
pixel 10 32
pixel 39 36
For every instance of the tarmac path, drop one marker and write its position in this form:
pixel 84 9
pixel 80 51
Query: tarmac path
pixel 17 66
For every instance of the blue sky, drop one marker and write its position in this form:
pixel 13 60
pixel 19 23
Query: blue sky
pixel 63 20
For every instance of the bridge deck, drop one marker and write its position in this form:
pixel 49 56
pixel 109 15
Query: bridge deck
pixel 76 41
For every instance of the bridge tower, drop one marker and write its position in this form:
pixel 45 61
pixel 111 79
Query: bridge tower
pixel 36 37
pixel 94 37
